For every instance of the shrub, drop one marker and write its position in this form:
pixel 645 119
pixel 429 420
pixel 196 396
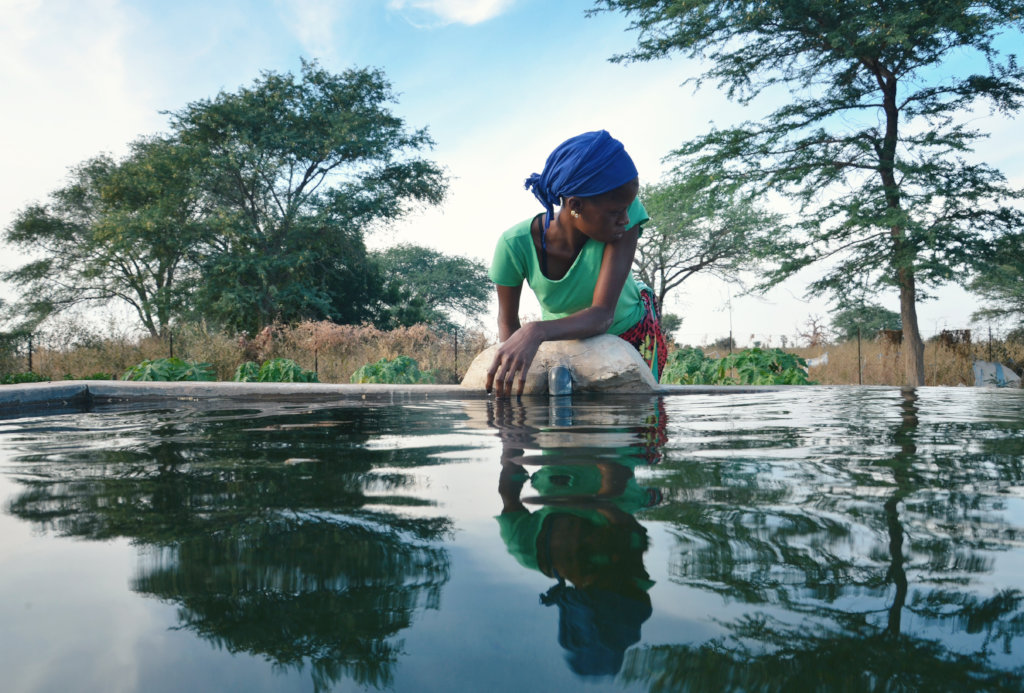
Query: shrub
pixel 95 376
pixel 768 367
pixel 248 372
pixel 274 371
pixel 16 378
pixel 689 366
pixel 402 370
pixel 754 366
pixel 170 369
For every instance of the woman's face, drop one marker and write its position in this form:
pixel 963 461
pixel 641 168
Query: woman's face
pixel 604 217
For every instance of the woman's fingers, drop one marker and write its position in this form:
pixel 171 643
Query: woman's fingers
pixel 507 376
pixel 501 376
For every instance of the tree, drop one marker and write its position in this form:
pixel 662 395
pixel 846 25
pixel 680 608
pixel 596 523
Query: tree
pixel 298 170
pixel 813 331
pixel 120 230
pixel 863 320
pixel 1000 282
pixel 440 285
pixel 693 230
pixel 870 143
pixel 670 324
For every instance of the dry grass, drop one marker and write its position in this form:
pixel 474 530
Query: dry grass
pixel 883 363
pixel 69 350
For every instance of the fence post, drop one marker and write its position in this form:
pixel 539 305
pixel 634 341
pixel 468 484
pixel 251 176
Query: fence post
pixel 860 361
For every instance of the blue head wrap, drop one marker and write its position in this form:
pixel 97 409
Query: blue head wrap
pixel 584 166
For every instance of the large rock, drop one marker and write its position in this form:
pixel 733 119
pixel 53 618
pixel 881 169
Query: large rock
pixel 604 363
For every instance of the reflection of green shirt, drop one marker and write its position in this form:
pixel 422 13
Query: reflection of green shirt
pixel 520 529
pixel 515 259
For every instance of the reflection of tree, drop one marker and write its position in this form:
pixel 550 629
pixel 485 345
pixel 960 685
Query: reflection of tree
pixel 813 660
pixel 580 530
pixel 259 530
pixel 302 588
pixel 836 553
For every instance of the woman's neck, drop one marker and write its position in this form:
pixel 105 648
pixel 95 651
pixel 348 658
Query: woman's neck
pixel 558 247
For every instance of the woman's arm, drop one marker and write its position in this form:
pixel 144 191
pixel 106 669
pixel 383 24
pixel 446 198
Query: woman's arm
pixel 520 344
pixel 508 310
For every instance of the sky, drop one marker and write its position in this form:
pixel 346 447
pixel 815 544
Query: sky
pixel 498 84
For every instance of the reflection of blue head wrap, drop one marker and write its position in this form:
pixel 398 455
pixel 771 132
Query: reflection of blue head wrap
pixel 585 165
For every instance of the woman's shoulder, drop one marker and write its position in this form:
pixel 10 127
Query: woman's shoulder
pixel 519 233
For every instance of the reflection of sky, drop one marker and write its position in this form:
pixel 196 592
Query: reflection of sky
pixel 71 624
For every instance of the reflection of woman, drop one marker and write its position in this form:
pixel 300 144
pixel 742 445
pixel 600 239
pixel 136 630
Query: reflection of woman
pixel 583 534
pixel 577 262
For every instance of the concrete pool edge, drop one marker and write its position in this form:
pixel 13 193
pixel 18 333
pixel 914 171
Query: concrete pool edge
pixel 67 394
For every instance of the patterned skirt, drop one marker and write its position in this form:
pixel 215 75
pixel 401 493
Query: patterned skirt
pixel 646 336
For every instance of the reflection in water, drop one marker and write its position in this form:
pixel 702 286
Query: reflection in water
pixel 582 531
pixel 825 539
pixel 857 572
pixel 262 553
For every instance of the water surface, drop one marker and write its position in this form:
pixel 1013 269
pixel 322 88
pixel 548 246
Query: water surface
pixel 824 539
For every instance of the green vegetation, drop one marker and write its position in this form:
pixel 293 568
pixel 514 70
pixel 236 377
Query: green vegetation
pixel 100 375
pixel 756 366
pixel 402 370
pixel 274 371
pixel 170 370
pixel 873 138
pixel 26 377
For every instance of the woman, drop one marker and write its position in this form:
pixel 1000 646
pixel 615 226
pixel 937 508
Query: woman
pixel 576 261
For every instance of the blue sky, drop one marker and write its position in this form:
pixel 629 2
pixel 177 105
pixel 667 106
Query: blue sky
pixel 498 83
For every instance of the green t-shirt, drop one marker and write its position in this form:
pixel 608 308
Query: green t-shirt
pixel 515 259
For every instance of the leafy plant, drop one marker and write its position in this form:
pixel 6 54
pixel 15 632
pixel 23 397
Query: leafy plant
pixel 689 366
pixel 754 366
pixel 248 372
pixel 274 371
pixel 16 378
pixel 170 370
pixel 401 370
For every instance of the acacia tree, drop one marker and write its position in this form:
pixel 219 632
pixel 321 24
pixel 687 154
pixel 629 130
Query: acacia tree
pixel 856 315
pixel 298 169
pixel 693 230
pixel 863 320
pixel 871 141
pixel 1000 282
pixel 122 230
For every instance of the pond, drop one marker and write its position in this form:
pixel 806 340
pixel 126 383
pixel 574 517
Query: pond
pixel 817 539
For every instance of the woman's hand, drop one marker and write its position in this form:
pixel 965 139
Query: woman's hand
pixel 513 357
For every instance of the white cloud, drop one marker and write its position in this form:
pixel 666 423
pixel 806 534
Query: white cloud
pixel 442 12
pixel 313 23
